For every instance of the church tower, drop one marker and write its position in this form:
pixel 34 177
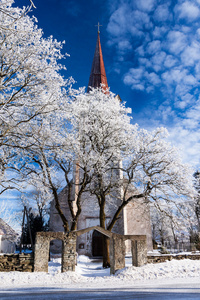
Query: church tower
pixel 132 221
pixel 98 73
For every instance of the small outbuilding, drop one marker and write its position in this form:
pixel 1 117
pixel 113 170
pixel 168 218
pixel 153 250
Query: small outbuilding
pixel 8 238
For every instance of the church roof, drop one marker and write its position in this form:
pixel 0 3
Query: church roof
pixel 98 73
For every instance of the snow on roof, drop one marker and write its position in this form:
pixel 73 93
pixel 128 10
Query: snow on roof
pixel 5 229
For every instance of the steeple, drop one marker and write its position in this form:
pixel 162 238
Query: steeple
pixel 98 73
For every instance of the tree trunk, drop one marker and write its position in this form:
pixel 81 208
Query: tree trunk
pixel 102 217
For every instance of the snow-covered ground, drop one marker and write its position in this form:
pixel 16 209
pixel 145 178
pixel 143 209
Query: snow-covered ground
pixel 90 274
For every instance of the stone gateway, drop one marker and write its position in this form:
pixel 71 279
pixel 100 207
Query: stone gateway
pixel 117 249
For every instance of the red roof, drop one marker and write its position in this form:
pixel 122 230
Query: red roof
pixel 98 73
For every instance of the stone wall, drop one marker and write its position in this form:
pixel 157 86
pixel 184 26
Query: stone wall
pixel 16 262
pixel 165 257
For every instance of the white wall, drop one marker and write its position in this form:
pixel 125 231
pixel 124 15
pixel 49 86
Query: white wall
pixel 6 246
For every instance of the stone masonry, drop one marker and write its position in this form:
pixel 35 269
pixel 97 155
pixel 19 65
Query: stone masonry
pixel 42 244
pixel 153 259
pixel 118 251
pixel 16 262
pixel 139 252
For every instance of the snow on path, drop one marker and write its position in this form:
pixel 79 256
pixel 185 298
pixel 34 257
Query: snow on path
pixel 89 274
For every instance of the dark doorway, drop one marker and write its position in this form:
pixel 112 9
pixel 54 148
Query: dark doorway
pixel 97 244
pixel 55 249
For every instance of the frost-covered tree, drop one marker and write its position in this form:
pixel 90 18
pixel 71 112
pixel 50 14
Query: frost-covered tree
pixel 49 159
pixel 155 170
pixel 192 211
pixel 65 139
pixel 94 130
pixel 103 127
pixel 151 169
pixel 197 199
pixel 167 223
pixel 5 3
pixel 9 216
pixel 30 83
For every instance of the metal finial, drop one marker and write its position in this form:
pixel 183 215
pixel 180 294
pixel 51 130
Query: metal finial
pixel 98 27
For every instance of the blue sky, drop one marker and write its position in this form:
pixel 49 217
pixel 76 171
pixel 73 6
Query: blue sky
pixel 151 51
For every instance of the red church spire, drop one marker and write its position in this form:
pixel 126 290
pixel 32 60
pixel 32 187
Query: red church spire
pixel 98 73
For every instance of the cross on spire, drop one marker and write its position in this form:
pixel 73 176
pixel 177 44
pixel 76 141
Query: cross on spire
pixel 98 27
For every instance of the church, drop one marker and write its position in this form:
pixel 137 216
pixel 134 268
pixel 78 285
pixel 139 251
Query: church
pixel 135 218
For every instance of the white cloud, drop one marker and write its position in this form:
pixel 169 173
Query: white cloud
pixel 181 104
pixel 188 98
pixel 140 20
pixel 181 89
pixel 124 45
pixel 136 73
pixel 117 24
pixel 153 78
pixel 198 33
pixel 197 70
pixel 145 5
pixel 191 124
pixel 165 112
pixel 159 32
pixel 162 13
pixel 140 51
pixel 170 61
pixel 139 79
pixel 134 78
pixel 157 61
pixel 187 11
pixel 194 112
pixel 145 62
pixel 125 21
pixel 153 47
pixel 190 80
pixel 187 141
pixel 170 54
pixel 185 132
pixel 176 42
pixel 173 76
pixel 165 61
pixel 191 54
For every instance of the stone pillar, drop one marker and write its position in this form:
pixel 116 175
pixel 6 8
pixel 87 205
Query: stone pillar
pixel 41 255
pixel 69 252
pixel 139 253
pixel 117 254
